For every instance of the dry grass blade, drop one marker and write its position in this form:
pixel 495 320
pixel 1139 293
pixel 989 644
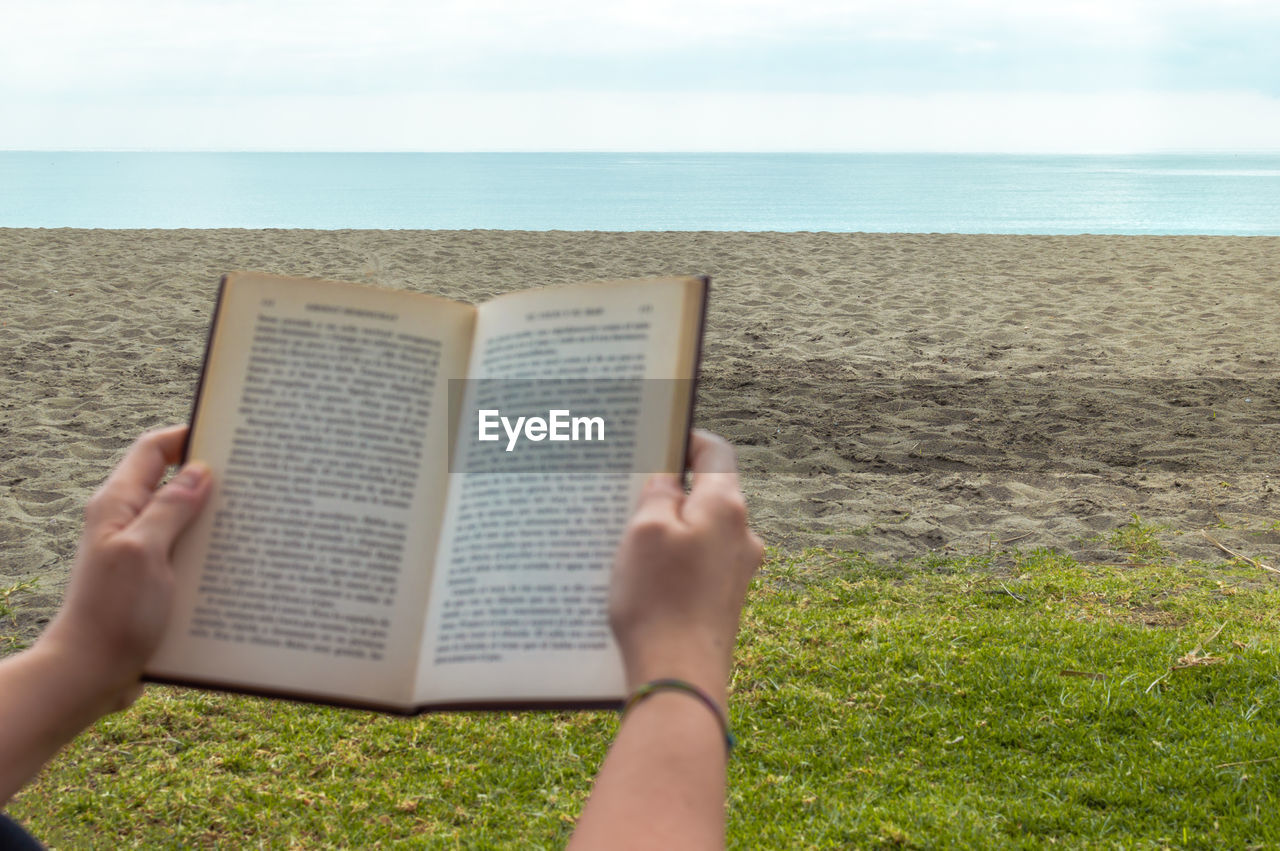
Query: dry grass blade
pixel 1248 762
pixel 1005 590
pixel 1216 632
pixel 1253 562
pixel 1196 659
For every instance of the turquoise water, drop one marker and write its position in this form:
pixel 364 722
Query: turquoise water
pixel 1149 194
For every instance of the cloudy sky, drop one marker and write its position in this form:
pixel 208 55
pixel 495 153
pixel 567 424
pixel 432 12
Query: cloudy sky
pixel 500 75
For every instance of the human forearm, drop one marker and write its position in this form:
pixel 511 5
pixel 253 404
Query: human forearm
pixel 678 587
pixel 663 783
pixel 45 700
pixel 89 660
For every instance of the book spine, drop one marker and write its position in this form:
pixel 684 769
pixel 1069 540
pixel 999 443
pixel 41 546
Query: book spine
pixel 204 367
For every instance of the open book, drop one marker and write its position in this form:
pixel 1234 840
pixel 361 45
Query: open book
pixel 392 527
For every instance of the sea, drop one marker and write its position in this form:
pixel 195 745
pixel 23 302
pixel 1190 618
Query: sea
pixel 886 193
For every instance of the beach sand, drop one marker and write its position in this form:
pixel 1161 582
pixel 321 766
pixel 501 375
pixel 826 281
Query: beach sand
pixel 893 394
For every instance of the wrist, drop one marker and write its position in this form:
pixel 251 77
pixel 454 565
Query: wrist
pixel 674 686
pixel 81 682
pixel 683 658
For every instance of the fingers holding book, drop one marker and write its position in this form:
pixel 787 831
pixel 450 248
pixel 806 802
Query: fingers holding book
pixel 682 572
pixel 118 600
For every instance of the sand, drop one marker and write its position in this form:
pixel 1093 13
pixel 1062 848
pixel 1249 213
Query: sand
pixel 898 395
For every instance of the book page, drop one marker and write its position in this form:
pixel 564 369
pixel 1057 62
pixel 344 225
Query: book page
pixel 323 413
pixel 518 611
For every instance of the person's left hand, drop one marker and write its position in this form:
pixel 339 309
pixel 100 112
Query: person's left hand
pixel 117 604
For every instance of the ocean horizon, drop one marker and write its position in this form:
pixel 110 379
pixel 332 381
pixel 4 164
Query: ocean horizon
pixel 1141 194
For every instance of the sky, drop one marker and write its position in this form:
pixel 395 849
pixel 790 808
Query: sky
pixel 1063 76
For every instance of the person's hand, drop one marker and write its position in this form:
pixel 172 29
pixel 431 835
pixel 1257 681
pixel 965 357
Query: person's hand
pixel 89 660
pixel 118 601
pixel 682 572
pixel 679 582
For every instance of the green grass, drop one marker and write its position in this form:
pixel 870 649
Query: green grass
pixel 1139 540
pixel 10 641
pixel 1017 699
pixel 7 610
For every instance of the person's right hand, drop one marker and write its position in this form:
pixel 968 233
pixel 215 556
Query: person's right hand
pixel 682 572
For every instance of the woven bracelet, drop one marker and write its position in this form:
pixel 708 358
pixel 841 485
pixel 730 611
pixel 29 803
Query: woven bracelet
pixel 655 686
